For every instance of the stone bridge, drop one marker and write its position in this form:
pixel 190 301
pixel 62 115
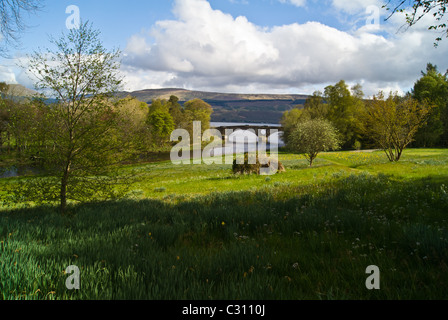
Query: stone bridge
pixel 226 130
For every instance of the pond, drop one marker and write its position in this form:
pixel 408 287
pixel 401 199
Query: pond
pixel 17 171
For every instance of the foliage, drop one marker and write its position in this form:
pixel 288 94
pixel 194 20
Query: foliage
pixel 315 107
pixel 344 110
pixel 161 126
pixel 83 128
pixel 176 111
pixel 433 87
pixel 339 105
pixel 197 110
pixel 314 136
pixel 289 122
pixel 132 122
pixel 393 122
pixel 419 9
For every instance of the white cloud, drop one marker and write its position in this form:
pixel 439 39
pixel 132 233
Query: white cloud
pixel 210 50
pixel 7 75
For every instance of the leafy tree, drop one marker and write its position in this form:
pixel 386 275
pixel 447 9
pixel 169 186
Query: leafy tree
pixel 4 114
pixel 393 122
pixel 289 122
pixel 158 105
pixel 160 122
pixel 433 87
pixel 315 107
pixel 176 111
pixel 133 115
pixel 86 141
pixel 419 9
pixel 344 111
pixel 314 136
pixel 3 89
pixel 21 119
pixel 161 126
pixel 197 110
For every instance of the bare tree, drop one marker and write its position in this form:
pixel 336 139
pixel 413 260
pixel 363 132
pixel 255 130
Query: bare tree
pixel 12 16
pixel 420 8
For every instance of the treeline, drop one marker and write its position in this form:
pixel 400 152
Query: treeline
pixel 24 124
pixel 352 115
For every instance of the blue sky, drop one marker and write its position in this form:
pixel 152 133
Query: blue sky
pixel 252 46
pixel 118 19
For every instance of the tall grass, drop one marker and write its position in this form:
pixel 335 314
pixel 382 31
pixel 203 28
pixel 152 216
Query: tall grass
pixel 305 234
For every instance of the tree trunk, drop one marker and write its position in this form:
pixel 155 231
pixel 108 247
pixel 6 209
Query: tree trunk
pixel 64 183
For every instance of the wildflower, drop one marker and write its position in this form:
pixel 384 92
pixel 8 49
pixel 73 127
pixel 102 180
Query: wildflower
pixel 223 223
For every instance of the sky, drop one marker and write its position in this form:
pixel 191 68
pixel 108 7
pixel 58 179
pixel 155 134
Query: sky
pixel 244 46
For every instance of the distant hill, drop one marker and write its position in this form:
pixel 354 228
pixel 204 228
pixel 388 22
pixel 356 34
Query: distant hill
pixel 17 90
pixel 185 95
pixel 228 107
pixel 231 107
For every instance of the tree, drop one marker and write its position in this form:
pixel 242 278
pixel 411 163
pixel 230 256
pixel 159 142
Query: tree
pixel 176 111
pixel 4 114
pixel 314 136
pixel 344 111
pixel 161 126
pixel 85 140
pixel 433 87
pixel 12 19
pixel 133 115
pixel 393 122
pixel 158 105
pixel 315 107
pixel 289 122
pixel 419 9
pixel 197 110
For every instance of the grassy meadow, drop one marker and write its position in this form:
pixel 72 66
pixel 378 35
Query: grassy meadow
pixel 200 232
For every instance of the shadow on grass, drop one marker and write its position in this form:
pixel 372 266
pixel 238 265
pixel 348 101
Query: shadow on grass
pixel 277 243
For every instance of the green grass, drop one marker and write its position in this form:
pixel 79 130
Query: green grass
pixel 199 232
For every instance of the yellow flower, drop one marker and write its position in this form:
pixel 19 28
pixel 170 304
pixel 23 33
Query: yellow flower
pixel 223 223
